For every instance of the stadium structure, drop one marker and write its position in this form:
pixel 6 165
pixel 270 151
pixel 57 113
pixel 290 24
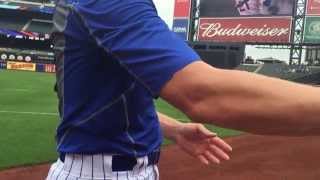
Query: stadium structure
pixel 216 27
pixel 25 28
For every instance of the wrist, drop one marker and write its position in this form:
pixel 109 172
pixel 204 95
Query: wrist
pixel 171 128
pixel 174 131
pixel 177 131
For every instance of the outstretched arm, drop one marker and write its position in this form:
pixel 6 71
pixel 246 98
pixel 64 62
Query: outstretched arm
pixel 195 140
pixel 244 101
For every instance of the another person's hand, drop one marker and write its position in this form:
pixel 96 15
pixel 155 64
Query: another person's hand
pixel 201 143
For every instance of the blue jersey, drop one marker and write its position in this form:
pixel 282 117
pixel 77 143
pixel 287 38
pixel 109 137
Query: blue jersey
pixel 113 57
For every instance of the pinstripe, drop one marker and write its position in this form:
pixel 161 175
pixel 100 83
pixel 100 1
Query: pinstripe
pixel 70 167
pixel 145 160
pixel 92 166
pixel 103 168
pixel 59 173
pixel 56 172
pixel 142 171
pixel 81 165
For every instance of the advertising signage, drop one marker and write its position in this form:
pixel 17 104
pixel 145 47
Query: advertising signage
pixel 181 19
pixel 3 64
pixel 24 35
pixel 180 27
pixel 245 21
pixel 312 23
pixel 244 30
pixel 313 7
pixel 21 66
pixel 312 30
pixel 182 8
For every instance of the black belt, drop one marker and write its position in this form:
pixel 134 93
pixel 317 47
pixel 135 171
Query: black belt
pixel 126 163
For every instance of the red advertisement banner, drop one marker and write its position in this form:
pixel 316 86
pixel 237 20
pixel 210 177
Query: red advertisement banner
pixel 182 8
pixel 313 7
pixel 50 68
pixel 275 30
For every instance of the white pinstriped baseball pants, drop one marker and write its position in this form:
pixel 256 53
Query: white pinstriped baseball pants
pixel 99 167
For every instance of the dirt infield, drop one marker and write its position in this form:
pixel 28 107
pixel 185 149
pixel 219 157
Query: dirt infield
pixel 253 158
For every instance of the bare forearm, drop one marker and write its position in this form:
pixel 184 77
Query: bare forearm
pixel 169 126
pixel 250 102
pixel 263 105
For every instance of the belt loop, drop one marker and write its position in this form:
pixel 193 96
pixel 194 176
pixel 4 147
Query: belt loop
pixel 153 158
pixel 123 163
pixel 157 156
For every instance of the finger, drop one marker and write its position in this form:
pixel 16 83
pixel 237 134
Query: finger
pixel 211 157
pixel 203 159
pixel 205 132
pixel 221 144
pixel 218 152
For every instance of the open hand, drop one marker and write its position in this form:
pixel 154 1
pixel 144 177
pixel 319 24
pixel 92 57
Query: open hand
pixel 202 144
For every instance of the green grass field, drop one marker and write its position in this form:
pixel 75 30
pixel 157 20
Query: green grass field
pixel 28 118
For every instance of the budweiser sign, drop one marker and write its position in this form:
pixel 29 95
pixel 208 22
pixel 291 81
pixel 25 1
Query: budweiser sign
pixel 245 29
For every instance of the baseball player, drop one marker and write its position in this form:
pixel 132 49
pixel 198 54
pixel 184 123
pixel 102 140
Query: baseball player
pixel 114 57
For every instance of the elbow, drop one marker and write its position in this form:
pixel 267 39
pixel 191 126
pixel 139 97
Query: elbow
pixel 202 112
pixel 221 111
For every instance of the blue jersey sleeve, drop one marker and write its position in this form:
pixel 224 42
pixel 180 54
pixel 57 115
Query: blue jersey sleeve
pixel 133 33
